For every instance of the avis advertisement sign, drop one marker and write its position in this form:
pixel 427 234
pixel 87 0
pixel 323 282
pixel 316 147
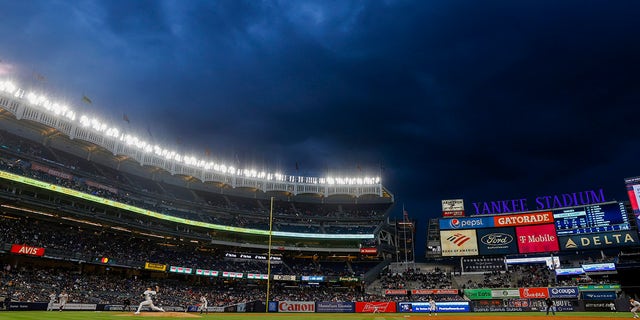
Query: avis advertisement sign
pixel 459 243
pixel 534 293
pixel 466 223
pixel 371 307
pixel 296 306
pixel 541 238
pixel 27 250
pixel 523 219
pixel 497 241
pixel 564 292
pixel 599 240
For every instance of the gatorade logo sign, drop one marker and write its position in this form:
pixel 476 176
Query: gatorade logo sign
pixel 466 223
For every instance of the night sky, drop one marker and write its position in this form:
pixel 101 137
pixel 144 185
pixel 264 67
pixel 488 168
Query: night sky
pixel 480 100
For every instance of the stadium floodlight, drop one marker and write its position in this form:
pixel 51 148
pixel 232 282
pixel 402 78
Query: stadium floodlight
pixel 8 87
pixel 112 132
pixel 32 98
pixel 84 121
pixel 58 109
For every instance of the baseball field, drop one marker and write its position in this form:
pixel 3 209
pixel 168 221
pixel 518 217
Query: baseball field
pixel 37 315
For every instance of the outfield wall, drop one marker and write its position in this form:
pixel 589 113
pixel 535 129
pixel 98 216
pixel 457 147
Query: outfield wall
pixel 491 305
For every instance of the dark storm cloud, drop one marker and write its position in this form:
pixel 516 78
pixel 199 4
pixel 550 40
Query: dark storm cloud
pixel 446 99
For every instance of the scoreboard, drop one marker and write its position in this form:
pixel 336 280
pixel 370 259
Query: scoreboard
pixel 596 218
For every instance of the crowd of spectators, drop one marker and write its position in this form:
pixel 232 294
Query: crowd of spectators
pixel 185 204
pixel 492 279
pixel 169 207
pixel 36 284
pixel 87 244
pixel 416 279
pixel 533 275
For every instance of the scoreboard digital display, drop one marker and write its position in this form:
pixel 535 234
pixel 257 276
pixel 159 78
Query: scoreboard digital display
pixel 591 219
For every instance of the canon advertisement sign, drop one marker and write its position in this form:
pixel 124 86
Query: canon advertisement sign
pixel 296 306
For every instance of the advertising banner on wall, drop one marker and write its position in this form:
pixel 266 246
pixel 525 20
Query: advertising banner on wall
pixel 599 240
pixel 541 238
pixel 441 306
pixel 633 190
pixel 477 307
pixel 395 292
pixel 27 250
pixel 523 219
pixel 369 250
pixel 466 223
pixel 453 208
pixel 500 241
pixel 506 305
pixel 478 294
pixel 155 266
pixel 600 287
pixel 560 305
pixel 564 292
pixel 534 293
pixel 208 273
pixel 429 292
pixel 505 293
pixel 178 269
pixel 569 271
pixel 599 267
pixel 375 307
pixel 296 306
pixel 599 295
pixel 458 243
pixel 339 307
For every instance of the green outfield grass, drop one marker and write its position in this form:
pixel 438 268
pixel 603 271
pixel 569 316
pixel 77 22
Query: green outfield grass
pixel 80 315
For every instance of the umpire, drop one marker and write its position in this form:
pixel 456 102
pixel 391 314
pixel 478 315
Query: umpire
pixel 550 306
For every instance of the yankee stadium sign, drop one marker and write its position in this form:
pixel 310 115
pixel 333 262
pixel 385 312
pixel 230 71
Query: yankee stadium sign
pixel 540 202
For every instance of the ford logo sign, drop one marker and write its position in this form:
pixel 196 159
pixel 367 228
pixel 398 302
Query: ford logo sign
pixel 493 239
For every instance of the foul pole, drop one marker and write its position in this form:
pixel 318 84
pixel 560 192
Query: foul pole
pixel 269 256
